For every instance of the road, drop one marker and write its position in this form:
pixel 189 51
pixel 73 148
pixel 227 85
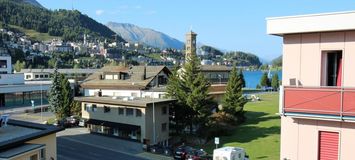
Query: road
pixel 74 150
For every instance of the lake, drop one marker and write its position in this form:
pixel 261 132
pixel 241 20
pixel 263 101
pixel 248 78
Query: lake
pixel 252 78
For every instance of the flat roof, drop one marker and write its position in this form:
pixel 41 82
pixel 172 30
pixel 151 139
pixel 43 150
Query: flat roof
pixel 135 102
pixel 323 22
pixel 16 133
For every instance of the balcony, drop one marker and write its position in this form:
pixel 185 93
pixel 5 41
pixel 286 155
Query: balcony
pixel 318 102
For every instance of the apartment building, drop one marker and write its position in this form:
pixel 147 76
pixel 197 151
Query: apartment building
pixel 143 120
pixel 317 100
pixel 134 81
pixel 21 140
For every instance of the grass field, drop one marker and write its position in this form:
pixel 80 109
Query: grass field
pixel 260 134
pixel 34 34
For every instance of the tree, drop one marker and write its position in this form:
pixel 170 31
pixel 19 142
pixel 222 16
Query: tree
pixel 19 65
pixel 275 82
pixel 264 81
pixel 195 87
pixel 241 76
pixel 233 100
pixel 67 96
pixel 55 95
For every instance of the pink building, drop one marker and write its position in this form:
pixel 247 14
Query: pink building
pixel 317 99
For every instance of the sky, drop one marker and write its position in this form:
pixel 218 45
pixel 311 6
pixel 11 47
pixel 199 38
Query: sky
pixel 230 25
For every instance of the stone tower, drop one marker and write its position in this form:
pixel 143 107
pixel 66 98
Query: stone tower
pixel 190 45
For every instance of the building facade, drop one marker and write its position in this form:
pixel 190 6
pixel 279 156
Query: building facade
pixel 144 120
pixel 5 64
pixel 134 81
pixel 317 105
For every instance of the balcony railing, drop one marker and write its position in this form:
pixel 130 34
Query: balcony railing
pixel 325 102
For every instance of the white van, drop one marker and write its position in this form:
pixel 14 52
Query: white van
pixel 229 153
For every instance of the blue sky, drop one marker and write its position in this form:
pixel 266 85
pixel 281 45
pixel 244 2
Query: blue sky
pixel 226 24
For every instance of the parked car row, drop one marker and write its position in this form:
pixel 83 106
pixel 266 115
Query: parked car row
pixel 190 153
pixel 72 121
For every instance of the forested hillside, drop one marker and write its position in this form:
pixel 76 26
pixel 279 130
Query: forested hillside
pixel 243 59
pixel 68 24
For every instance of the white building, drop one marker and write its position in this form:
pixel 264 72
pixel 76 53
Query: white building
pixel 135 81
pixel 5 64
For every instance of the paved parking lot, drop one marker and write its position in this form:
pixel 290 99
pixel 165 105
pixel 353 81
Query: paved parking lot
pixel 78 143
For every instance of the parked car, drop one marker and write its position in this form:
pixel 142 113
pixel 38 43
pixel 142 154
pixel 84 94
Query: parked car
pixel 198 155
pixel 82 123
pixel 159 149
pixel 67 122
pixel 181 152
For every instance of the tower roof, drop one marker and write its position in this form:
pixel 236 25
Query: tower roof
pixel 191 33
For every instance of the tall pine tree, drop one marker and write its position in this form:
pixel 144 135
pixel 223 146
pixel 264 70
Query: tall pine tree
pixel 275 82
pixel 67 95
pixel 233 100
pixel 55 95
pixel 195 87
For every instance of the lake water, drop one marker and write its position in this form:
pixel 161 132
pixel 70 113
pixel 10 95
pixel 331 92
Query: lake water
pixel 252 78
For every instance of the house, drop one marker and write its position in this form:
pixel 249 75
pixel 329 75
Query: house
pixel 45 74
pixel 135 81
pixel 24 140
pixel 317 106
pixel 5 64
pixel 143 120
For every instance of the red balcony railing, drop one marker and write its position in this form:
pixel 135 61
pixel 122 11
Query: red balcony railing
pixel 338 102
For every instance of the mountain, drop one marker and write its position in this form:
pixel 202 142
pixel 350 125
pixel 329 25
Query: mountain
pixel 242 58
pixel 33 2
pixel 71 25
pixel 150 37
pixel 277 62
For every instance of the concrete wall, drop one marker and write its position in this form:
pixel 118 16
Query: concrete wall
pixel 160 118
pixel 302 56
pixel 299 138
pixel 51 145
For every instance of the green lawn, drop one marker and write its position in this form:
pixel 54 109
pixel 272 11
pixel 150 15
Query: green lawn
pixel 260 134
pixel 34 34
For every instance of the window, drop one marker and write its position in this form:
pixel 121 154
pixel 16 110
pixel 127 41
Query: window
pixel 46 76
pixel 28 76
pixel 41 76
pixel 94 108
pixel 43 154
pixel 86 107
pixel 36 76
pixel 120 111
pixel 34 157
pixel 138 113
pixel 164 110
pixel 163 127
pixel 331 68
pixel 107 109
pixel 129 111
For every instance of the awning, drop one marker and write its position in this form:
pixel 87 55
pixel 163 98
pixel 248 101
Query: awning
pixel 113 124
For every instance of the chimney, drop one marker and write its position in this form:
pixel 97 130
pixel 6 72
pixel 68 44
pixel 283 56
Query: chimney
pixel 101 76
pixel 144 76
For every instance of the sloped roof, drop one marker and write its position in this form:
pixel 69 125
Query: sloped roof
pixel 134 81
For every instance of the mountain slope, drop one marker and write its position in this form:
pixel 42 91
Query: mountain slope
pixel 33 2
pixel 133 33
pixel 68 24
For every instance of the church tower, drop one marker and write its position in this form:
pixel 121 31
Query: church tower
pixel 190 45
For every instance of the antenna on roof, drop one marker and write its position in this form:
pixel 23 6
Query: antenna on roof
pixel 190 27
pixel 72 5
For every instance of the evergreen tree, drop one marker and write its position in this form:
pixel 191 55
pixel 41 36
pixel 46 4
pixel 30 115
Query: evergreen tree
pixel 55 95
pixel 195 87
pixel 181 112
pixel 241 75
pixel 275 82
pixel 264 81
pixel 67 95
pixel 233 100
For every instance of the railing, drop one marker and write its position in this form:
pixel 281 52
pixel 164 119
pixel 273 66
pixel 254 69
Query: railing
pixel 318 101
